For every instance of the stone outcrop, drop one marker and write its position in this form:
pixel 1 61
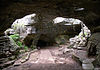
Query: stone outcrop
pixel 93 46
pixel 8 51
pixel 14 9
pixel 81 39
pixel 31 28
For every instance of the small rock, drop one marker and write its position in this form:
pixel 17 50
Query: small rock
pixel 81 48
pixel 17 63
pixel 88 66
pixel 61 62
pixel 67 50
pixel 87 61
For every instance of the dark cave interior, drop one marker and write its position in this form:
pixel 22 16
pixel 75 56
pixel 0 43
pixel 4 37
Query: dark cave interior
pixel 43 44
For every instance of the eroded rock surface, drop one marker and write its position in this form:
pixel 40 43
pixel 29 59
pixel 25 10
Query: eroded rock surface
pixel 81 39
pixel 31 28
pixel 8 51
pixel 94 47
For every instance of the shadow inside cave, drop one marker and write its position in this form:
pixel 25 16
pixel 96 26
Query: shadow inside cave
pixel 43 44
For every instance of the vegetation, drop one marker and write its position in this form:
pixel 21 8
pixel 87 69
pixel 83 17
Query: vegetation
pixel 19 44
pixel 16 39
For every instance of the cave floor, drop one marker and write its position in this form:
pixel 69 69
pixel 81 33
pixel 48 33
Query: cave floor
pixel 49 58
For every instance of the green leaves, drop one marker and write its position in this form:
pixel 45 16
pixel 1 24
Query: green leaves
pixel 19 44
pixel 15 37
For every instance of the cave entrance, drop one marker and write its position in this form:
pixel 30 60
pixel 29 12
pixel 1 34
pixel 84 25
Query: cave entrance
pixel 43 44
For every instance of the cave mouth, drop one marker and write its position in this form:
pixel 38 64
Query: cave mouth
pixel 43 44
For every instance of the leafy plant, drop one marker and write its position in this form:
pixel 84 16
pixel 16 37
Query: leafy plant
pixel 19 44
pixel 15 37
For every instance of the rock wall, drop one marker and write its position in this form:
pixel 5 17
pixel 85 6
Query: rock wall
pixel 87 11
pixel 14 9
pixel 93 46
pixel 31 28
pixel 8 51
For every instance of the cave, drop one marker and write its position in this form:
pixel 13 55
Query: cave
pixel 43 44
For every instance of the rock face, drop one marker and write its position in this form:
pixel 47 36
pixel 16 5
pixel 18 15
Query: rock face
pixel 8 51
pixel 94 47
pixel 83 10
pixel 81 39
pixel 32 29
pixel 87 11
pixel 19 26
pixel 96 29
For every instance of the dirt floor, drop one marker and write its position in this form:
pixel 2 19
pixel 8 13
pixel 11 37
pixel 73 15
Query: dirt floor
pixel 48 58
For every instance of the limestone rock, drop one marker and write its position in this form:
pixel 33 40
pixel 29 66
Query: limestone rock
pixel 88 61
pixel 93 44
pixel 88 66
pixel 19 26
pixel 81 39
pixel 94 47
pixel 70 21
pixel 8 51
pixel 96 29
pixel 31 28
